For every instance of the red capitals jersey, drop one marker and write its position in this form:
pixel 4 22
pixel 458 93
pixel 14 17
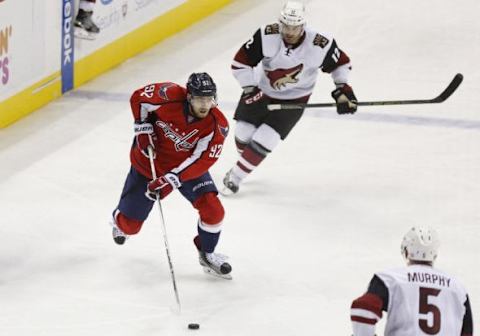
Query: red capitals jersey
pixel 184 145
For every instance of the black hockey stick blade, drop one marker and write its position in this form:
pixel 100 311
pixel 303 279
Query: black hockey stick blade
pixel 451 88
pixel 454 84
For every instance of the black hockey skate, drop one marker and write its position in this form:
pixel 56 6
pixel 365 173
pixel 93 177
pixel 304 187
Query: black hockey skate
pixel 214 263
pixel 84 26
pixel 118 236
pixel 230 185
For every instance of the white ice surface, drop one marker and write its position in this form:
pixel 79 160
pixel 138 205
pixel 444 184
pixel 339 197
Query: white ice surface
pixel 309 227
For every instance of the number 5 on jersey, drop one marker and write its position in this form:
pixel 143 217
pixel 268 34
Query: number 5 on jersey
pixel 215 151
pixel 425 308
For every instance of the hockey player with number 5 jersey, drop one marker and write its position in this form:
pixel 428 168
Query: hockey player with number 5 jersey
pixel 186 131
pixel 419 299
pixel 289 56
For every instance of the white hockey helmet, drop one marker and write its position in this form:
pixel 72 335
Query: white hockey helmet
pixel 420 244
pixel 293 13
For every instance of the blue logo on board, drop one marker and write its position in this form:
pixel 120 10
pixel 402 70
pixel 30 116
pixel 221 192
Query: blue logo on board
pixel 67 56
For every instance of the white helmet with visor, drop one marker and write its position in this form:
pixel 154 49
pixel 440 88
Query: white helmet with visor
pixel 293 14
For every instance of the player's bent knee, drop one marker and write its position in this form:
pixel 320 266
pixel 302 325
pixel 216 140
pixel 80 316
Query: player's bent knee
pixel 127 225
pixel 244 131
pixel 210 209
pixel 266 136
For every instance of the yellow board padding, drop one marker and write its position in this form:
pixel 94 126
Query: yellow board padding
pixel 30 99
pixel 109 56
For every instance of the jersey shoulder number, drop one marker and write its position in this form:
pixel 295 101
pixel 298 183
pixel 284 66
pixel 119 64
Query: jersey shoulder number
pixel 320 41
pixel 166 91
pixel 147 91
pixel 271 29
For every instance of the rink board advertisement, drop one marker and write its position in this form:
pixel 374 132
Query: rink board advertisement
pixel 15 37
pixel 40 60
pixel 23 58
pixel 115 17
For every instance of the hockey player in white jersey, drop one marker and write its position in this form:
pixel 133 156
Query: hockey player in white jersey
pixel 419 299
pixel 289 56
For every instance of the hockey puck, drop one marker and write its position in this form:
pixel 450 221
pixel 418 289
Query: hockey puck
pixel 193 326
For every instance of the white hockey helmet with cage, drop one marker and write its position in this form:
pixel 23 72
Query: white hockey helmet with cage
pixel 293 14
pixel 420 244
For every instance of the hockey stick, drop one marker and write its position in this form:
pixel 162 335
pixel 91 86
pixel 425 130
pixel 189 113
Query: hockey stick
pixel 454 84
pixel 164 230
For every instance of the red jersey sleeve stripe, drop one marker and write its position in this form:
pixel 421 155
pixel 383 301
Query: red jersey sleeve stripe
pixel 370 302
pixel 363 320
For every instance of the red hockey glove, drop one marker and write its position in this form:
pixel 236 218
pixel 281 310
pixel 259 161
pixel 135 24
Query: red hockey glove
pixel 345 98
pixel 144 137
pixel 168 180
pixel 251 94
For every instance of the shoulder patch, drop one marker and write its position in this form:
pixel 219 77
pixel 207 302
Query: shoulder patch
pixel 162 90
pixel 223 130
pixel 271 29
pixel 320 41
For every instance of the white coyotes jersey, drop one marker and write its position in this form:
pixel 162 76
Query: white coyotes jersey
pixel 423 301
pixel 286 73
pixel 292 73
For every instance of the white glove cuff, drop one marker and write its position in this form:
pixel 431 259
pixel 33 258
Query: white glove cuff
pixel 340 74
pixel 173 180
pixel 244 75
pixel 143 128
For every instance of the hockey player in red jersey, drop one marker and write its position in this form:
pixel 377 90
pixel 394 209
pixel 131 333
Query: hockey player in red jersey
pixel 290 55
pixel 186 131
pixel 419 299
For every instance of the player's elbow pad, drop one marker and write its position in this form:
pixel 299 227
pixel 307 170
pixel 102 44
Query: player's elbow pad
pixel 341 73
pixel 365 312
pixel 363 329
pixel 244 75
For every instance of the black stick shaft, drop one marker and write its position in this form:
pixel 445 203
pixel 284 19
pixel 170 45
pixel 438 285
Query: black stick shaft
pixel 454 84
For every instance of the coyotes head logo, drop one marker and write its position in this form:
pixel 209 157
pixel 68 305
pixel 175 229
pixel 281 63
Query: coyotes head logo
pixel 279 78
